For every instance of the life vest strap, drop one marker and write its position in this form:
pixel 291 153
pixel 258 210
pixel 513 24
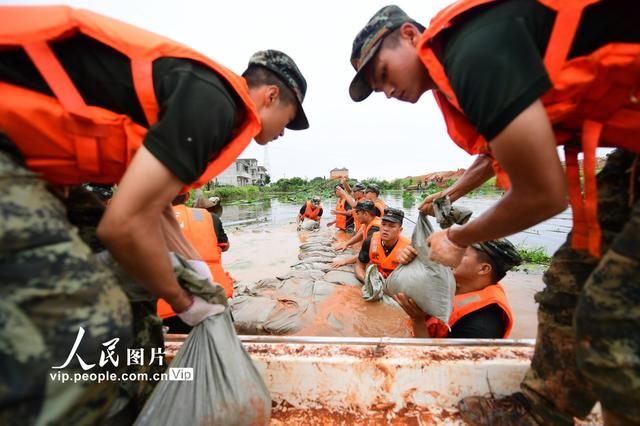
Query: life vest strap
pixel 564 30
pixel 586 234
pixel 142 72
pixel 590 136
pixel 85 132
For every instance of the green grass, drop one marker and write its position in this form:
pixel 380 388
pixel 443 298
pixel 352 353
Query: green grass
pixel 535 255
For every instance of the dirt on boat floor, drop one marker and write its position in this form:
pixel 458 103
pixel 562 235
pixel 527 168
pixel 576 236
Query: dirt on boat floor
pixel 264 251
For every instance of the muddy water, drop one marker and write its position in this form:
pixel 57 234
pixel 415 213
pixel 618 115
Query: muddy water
pixel 549 234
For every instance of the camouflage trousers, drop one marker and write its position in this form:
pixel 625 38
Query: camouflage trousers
pixel 51 287
pixel 588 344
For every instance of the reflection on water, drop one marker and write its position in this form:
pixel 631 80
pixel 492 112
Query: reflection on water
pixel 549 234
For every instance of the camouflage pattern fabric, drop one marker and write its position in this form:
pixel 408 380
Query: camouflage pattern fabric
pixel 50 286
pixel 286 69
pixel 590 312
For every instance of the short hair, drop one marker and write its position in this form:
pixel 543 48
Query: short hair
pixel 496 273
pixel 393 39
pixel 257 75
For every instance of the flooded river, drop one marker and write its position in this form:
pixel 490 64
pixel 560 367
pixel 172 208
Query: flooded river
pixel 264 243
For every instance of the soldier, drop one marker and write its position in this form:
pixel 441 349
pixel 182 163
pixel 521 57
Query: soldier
pixel 86 98
pixel 514 79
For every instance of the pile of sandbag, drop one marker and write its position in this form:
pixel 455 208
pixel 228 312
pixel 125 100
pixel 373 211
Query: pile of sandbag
pixel 287 303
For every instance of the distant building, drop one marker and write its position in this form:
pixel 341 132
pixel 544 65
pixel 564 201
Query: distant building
pixel 338 173
pixel 243 172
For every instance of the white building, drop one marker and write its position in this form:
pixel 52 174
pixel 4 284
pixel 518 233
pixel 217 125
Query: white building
pixel 243 172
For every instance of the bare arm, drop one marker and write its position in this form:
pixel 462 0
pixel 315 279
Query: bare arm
pixel 478 173
pixel 360 269
pixel 526 150
pixel 132 227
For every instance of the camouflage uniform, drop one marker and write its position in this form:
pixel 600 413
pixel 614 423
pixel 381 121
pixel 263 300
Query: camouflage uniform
pixel 50 285
pixel 590 312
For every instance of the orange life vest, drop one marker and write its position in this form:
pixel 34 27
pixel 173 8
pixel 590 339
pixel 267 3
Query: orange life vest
pixel 356 221
pixel 310 212
pixel 381 205
pixel 376 221
pixel 385 263
pixel 197 227
pixel 464 304
pixel 594 96
pixel 69 142
pixel 341 219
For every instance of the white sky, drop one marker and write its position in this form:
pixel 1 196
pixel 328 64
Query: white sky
pixel 375 138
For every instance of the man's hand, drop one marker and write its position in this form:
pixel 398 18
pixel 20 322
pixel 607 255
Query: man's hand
pixel 426 208
pixel 410 307
pixel 198 311
pixel 341 246
pixel 407 254
pixel 329 224
pixel 443 250
pixel 337 263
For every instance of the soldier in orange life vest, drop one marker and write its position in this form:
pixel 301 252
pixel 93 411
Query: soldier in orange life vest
pixel 312 210
pixel 372 192
pixel 86 98
pixel 343 211
pixel 385 247
pixel 481 310
pixel 369 224
pixel 514 79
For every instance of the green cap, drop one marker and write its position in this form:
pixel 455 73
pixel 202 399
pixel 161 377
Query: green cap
pixel 393 215
pixel 366 206
pixel 503 253
pixel 283 66
pixel 367 43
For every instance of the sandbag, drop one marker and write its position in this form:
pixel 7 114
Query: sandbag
pixel 226 388
pixel 309 225
pixel 322 290
pixel 250 312
pixel 373 287
pixel 447 215
pixel 342 277
pixel 431 285
pixel 308 273
pixel 289 316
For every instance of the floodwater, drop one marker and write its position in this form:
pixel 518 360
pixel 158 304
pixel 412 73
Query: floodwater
pixel 264 243
pixel 549 234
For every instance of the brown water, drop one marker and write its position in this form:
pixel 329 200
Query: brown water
pixel 265 250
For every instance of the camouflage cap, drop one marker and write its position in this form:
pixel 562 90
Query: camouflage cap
pixel 366 206
pixel 359 187
pixel 367 43
pixel 372 187
pixel 503 253
pixel 393 215
pixel 283 66
pixel 315 199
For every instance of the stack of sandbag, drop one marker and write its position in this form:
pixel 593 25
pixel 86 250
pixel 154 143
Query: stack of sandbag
pixel 287 303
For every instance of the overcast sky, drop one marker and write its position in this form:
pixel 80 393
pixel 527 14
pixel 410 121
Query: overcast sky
pixel 375 138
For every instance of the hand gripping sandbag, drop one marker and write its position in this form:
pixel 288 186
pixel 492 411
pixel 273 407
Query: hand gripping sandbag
pixel 226 388
pixel 373 287
pixel 431 285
